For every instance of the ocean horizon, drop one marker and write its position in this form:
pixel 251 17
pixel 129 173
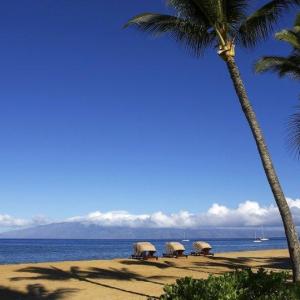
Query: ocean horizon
pixel 15 251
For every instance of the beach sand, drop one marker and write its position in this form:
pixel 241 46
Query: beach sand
pixel 121 278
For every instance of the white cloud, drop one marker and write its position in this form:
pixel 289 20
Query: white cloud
pixel 8 221
pixel 293 203
pixel 248 213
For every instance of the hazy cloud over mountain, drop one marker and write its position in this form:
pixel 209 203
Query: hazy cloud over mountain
pixel 9 222
pixel 248 213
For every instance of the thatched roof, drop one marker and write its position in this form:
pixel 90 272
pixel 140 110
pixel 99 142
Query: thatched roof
pixel 174 246
pixel 201 245
pixel 141 247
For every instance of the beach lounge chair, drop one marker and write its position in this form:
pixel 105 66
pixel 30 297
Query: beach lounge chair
pixel 201 248
pixel 144 250
pixel 174 249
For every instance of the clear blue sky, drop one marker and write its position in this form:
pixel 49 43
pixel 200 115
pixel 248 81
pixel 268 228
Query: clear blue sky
pixel 94 117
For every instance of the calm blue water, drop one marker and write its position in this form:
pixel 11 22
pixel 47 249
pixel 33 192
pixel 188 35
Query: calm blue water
pixel 22 251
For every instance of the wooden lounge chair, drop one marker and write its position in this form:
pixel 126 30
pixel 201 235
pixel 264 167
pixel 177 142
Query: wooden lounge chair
pixel 174 249
pixel 202 248
pixel 144 250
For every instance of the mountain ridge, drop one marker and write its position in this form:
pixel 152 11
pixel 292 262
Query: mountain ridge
pixel 77 230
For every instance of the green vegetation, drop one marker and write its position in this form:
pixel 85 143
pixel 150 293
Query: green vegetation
pixel 239 285
pixel 284 66
pixel 225 24
pixel 287 66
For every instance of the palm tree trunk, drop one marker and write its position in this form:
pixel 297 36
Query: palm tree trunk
pixel 289 227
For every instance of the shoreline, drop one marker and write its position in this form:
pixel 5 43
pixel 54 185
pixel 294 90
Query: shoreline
pixel 124 258
pixel 123 278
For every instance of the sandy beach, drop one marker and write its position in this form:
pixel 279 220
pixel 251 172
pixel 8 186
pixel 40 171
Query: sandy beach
pixel 121 278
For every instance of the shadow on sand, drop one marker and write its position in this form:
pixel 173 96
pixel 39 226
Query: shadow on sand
pixel 33 292
pixel 218 265
pixel 90 275
pixel 215 265
pixel 244 262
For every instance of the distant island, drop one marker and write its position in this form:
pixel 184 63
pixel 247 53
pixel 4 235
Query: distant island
pixel 78 230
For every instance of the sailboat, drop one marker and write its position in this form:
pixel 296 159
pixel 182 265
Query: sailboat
pixel 263 238
pixel 184 238
pixel 256 239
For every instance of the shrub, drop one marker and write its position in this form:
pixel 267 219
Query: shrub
pixel 238 285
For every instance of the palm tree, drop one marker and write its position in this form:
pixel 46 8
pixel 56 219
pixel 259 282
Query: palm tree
pixel 294 132
pixel 201 24
pixel 287 66
pixel 284 66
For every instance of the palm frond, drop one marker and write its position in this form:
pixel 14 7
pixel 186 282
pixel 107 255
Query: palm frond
pixel 198 22
pixel 194 35
pixel 189 9
pixel 289 36
pixel 223 14
pixel 293 137
pixel 258 25
pixel 235 10
pixel 283 66
pixel 213 9
pixel 297 20
pixel 269 63
pixel 289 65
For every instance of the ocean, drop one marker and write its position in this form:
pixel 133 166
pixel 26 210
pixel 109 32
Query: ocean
pixel 33 250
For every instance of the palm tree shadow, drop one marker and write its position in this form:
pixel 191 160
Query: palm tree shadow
pixel 160 265
pixel 242 262
pixel 89 275
pixel 225 264
pixel 219 265
pixel 33 292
